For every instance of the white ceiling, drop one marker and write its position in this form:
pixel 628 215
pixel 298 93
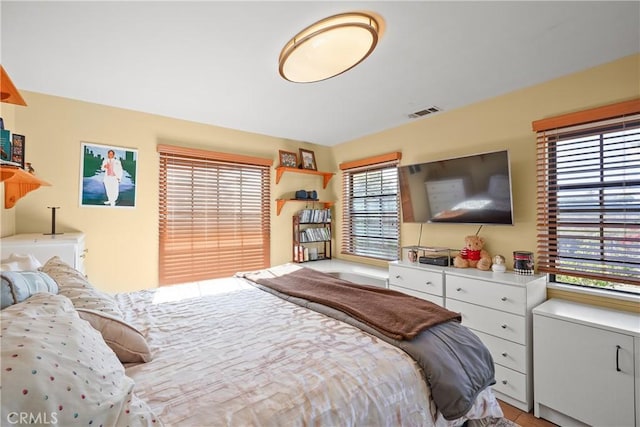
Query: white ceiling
pixel 216 62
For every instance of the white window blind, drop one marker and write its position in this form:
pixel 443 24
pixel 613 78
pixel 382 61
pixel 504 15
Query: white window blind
pixel 214 214
pixel 371 214
pixel 588 175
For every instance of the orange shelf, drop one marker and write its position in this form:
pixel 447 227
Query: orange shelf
pixel 326 176
pixel 17 183
pixel 281 202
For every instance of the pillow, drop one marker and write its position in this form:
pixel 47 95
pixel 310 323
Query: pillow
pixel 56 369
pixel 17 286
pixel 101 310
pixel 20 262
pixel 125 340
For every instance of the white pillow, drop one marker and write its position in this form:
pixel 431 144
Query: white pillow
pixel 57 367
pixel 20 262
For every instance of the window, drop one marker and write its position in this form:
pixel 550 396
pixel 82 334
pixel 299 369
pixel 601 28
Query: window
pixel 214 214
pixel 371 215
pixel 589 197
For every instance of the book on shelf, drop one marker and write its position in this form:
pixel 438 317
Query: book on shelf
pixel 314 215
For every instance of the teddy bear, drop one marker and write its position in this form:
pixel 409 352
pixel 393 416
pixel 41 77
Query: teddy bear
pixel 472 255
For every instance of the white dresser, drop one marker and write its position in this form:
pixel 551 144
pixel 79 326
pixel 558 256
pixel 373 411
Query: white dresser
pixel 496 306
pixel 586 364
pixel 70 247
pixel 417 281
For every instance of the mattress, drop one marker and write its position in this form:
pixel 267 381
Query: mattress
pixel 226 353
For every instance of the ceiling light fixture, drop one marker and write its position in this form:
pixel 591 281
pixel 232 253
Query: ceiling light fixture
pixel 8 91
pixel 330 47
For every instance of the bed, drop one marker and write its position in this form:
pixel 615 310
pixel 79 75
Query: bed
pixel 229 353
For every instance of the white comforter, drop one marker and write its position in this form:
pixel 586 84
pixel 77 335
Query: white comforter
pixel 229 354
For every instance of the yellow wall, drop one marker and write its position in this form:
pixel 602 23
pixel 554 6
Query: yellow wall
pixel 123 243
pixel 500 123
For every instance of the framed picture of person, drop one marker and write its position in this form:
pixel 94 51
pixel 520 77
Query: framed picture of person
pixel 17 149
pixel 108 176
pixel 308 159
pixel 288 159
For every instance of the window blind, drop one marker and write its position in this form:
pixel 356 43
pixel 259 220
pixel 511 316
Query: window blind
pixel 588 207
pixel 371 215
pixel 214 214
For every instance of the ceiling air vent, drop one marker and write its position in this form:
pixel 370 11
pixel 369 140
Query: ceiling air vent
pixel 424 112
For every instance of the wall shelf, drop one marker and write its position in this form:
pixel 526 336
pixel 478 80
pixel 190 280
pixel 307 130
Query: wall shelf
pixel 17 183
pixel 326 176
pixel 281 202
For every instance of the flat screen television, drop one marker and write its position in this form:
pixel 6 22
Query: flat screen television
pixel 474 189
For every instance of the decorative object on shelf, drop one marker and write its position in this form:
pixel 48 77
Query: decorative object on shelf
pixel 473 255
pixel 53 221
pixel 8 91
pixel 412 255
pixel 288 159
pixel 108 176
pixel 5 145
pixel 312 195
pixel 301 195
pixel 312 54
pixel 17 149
pixel 523 262
pixel 30 168
pixel 498 264
pixel 307 159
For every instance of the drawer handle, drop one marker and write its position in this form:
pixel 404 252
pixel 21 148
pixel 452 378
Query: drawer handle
pixel 504 382
pixel 458 289
pixel 397 276
pixel 428 282
pixel 503 298
pixel 504 354
pixel 618 359
pixel 503 326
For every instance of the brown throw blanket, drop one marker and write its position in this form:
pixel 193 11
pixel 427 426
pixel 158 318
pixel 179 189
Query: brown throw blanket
pixel 394 314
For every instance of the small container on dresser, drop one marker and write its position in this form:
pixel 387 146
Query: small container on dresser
pixel 70 247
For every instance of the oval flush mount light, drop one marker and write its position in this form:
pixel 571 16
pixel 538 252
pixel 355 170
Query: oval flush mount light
pixel 330 47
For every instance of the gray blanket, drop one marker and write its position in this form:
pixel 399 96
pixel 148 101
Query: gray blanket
pixel 456 364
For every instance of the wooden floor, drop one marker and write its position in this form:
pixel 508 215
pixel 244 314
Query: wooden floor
pixel 522 418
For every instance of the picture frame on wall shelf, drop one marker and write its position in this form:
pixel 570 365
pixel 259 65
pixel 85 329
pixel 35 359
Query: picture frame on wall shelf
pixel 108 176
pixel 17 149
pixel 307 159
pixel 288 159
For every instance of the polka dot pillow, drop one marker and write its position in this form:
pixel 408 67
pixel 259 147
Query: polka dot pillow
pixel 100 310
pixel 57 369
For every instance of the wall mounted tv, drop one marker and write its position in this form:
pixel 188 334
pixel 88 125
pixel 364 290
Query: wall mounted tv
pixel 474 189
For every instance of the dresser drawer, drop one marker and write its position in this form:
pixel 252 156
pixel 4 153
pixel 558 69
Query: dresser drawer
pixel 430 282
pixel 511 383
pixel 433 298
pixel 493 322
pixel 505 353
pixel 511 299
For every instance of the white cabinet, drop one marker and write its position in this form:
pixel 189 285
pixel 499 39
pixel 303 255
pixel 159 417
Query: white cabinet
pixel 586 364
pixel 70 247
pixel 496 306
